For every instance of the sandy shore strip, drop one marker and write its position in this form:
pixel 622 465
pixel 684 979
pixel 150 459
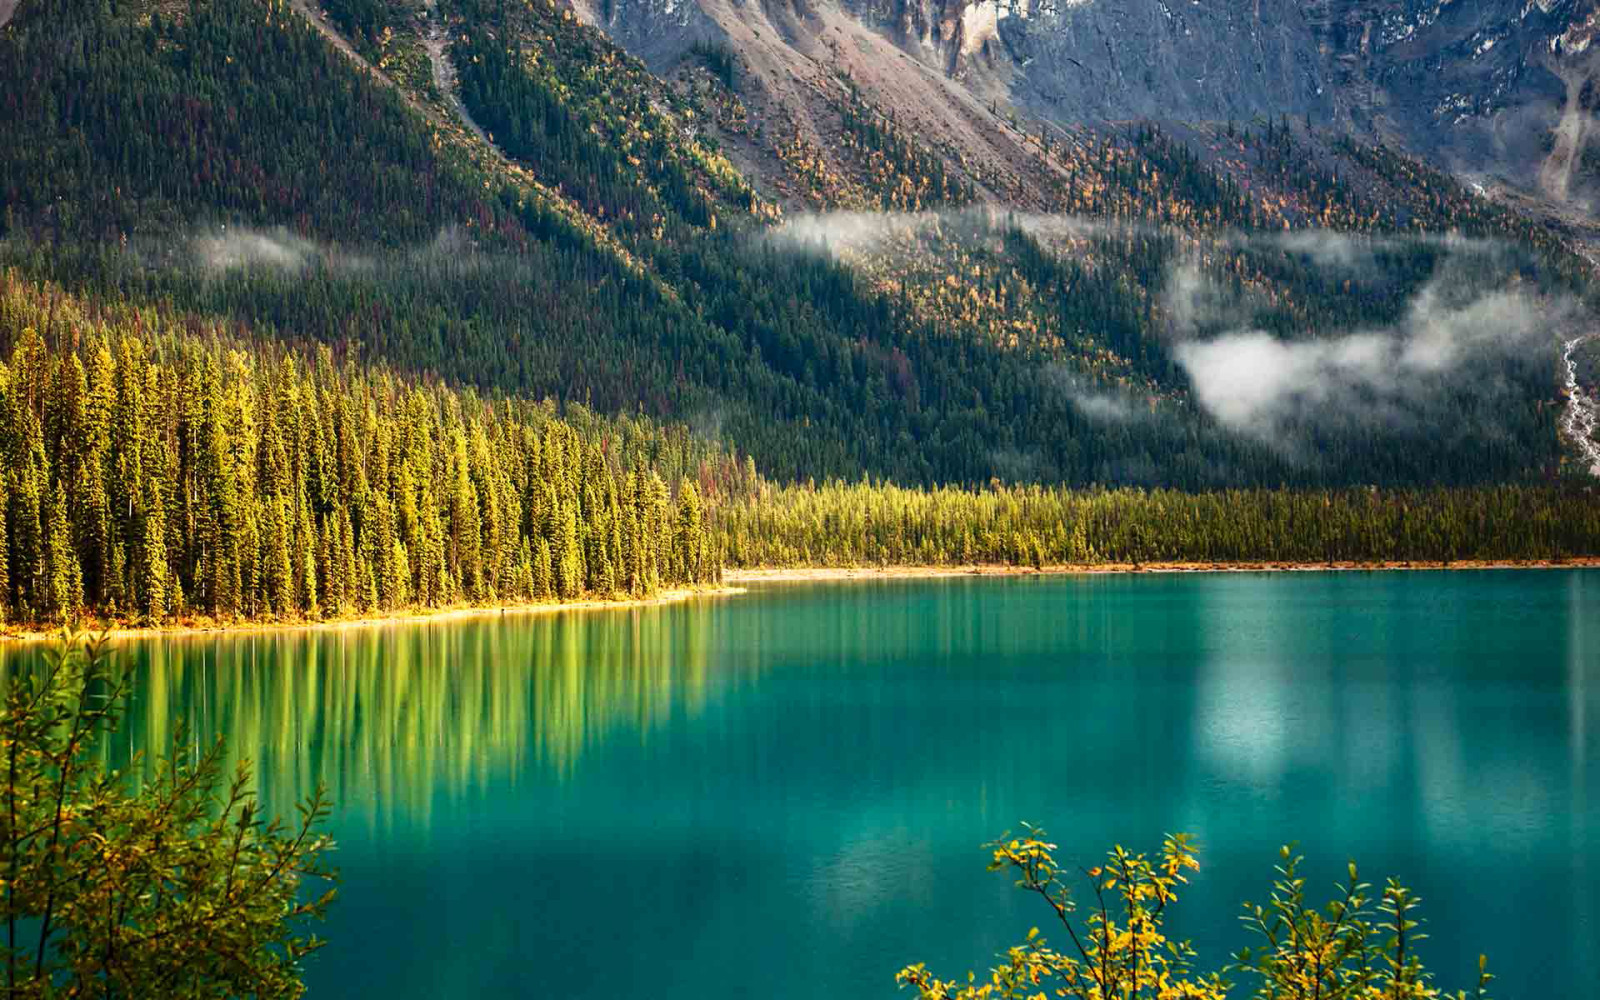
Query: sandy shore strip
pixel 734 581
pixel 429 616
pixel 841 573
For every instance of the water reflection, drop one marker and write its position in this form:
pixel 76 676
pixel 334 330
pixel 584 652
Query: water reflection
pixel 1583 664
pixel 797 781
pixel 393 718
pixel 1367 686
pixel 1437 728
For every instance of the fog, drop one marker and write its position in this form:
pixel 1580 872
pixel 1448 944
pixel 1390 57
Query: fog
pixel 221 249
pixel 225 249
pixel 1258 384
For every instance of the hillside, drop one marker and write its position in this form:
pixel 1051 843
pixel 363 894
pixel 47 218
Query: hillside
pixel 807 260
pixel 162 469
pixel 1494 87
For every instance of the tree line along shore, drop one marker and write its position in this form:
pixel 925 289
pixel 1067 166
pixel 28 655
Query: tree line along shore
pixel 161 472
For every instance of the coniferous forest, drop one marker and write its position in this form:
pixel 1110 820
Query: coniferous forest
pixel 249 377
pixel 156 473
pixel 345 311
pixel 161 469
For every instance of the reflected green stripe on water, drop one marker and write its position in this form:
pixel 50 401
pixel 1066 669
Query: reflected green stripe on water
pixel 389 717
pixel 789 788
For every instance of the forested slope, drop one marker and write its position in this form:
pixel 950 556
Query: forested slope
pixel 219 157
pixel 159 467
pixel 162 466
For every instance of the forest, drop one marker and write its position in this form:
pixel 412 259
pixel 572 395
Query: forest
pixel 157 473
pixel 370 309
pixel 622 263
pixel 864 524
pixel 160 467
pixel 328 355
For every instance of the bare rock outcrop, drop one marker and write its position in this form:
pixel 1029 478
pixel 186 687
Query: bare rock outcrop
pixel 1498 87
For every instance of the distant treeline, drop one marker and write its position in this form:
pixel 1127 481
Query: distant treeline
pixel 852 525
pixel 159 467
pixel 153 472
pixel 134 129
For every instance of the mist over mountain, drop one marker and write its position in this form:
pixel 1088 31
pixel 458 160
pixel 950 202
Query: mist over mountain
pixel 1093 242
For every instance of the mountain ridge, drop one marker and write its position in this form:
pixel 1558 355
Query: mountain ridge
pixel 1476 85
pixel 1050 311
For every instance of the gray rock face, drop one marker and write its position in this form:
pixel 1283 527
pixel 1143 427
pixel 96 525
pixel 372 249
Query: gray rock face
pixel 657 31
pixel 1474 79
pixel 1497 86
pixel 1179 59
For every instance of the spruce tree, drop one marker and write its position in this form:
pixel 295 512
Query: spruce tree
pixel 543 574
pixel 63 595
pixel 569 563
pixel 153 568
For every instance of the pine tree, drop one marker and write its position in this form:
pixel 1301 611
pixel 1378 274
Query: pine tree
pixel 330 563
pixel 277 570
pixel 27 523
pixel 391 573
pixel 633 549
pixel 522 582
pixel 434 584
pixel 399 576
pixel 216 514
pixel 543 575
pixel 465 531
pixel 249 586
pixel 304 555
pixel 657 533
pixel 352 583
pixel 689 560
pixel 89 499
pixel 5 552
pixel 63 595
pixel 153 569
pixel 569 565
pixel 128 493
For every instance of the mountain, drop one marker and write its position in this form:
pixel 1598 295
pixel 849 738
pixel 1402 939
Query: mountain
pixel 812 233
pixel 1493 87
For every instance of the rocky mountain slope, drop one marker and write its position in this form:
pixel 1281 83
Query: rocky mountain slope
pixel 811 233
pixel 1497 88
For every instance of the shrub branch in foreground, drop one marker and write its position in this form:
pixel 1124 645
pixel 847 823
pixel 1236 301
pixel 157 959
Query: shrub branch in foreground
pixel 176 888
pixel 1360 946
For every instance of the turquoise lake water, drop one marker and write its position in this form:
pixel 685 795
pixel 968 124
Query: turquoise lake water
pixel 785 794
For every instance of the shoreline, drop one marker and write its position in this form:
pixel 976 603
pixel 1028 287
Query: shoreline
pixel 189 628
pixel 733 586
pixel 825 574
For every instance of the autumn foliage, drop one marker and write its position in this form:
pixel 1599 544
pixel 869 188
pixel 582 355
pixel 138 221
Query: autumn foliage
pixel 1360 946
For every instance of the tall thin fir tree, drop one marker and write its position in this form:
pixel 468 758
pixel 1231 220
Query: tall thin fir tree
pixel 153 569
pixel 63 578
pixel 5 552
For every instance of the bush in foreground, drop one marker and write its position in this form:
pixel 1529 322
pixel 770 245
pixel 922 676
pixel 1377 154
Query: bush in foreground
pixel 175 888
pixel 1360 946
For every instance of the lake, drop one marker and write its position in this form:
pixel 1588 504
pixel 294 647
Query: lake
pixel 784 794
